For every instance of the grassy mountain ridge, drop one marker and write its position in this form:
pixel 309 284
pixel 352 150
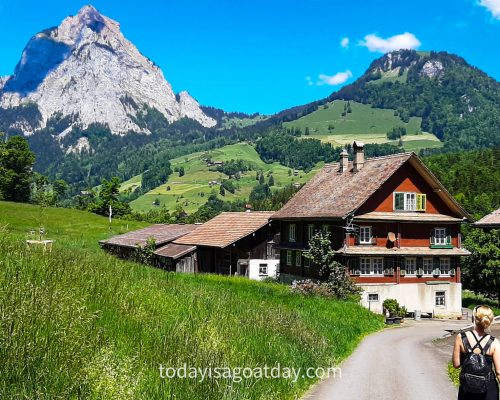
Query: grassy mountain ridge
pixel 457 102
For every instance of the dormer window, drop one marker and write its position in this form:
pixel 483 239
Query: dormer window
pixel 409 201
pixel 365 235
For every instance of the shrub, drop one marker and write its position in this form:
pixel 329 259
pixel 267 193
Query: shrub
pixel 395 310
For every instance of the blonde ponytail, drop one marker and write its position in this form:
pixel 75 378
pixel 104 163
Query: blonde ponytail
pixel 483 317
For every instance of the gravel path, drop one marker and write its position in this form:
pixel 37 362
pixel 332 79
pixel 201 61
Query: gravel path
pixel 397 363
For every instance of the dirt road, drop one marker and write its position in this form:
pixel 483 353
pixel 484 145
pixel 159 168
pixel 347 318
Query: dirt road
pixel 398 363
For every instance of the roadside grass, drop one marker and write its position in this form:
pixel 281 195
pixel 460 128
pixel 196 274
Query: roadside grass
pixel 192 190
pixel 471 300
pixel 454 374
pixel 79 323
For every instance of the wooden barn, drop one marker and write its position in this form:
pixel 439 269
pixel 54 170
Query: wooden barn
pixel 126 245
pixel 391 222
pixel 230 244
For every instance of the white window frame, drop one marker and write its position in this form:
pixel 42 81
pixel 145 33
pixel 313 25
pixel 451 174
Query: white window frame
pixel 411 261
pixel 298 259
pixel 373 300
pixel 362 235
pixel 409 201
pixel 310 231
pixel 307 262
pixel 442 237
pixel 441 294
pixel 289 257
pixel 444 261
pixel 292 232
pixel 371 266
pixel 265 267
pixel 325 228
pixel 427 269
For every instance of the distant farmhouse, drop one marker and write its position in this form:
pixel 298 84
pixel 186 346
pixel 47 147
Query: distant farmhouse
pixel 392 223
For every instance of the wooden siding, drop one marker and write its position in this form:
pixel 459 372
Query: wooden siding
pixel 407 179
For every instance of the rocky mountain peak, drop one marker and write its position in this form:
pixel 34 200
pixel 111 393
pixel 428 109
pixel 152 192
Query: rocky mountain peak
pixel 83 69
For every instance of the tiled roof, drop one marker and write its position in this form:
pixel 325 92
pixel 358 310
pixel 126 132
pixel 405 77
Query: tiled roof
pixel 490 220
pixel 173 250
pixel 401 251
pixel 226 228
pixel 405 217
pixel 331 194
pixel 162 233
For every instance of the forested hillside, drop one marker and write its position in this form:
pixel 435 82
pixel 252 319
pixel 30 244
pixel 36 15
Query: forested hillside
pixel 460 104
pixel 472 177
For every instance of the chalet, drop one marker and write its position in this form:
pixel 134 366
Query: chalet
pixel 490 221
pixel 232 243
pixel 126 245
pixel 391 222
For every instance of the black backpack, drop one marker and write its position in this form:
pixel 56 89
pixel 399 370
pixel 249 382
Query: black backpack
pixel 476 373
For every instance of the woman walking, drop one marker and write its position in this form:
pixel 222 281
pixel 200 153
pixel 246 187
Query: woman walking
pixel 477 352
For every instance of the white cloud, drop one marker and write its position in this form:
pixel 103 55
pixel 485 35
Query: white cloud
pixel 403 41
pixel 493 6
pixel 345 42
pixel 337 79
pixel 309 81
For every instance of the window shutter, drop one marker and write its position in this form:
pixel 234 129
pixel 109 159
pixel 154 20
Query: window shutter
pixel 399 200
pixel 448 236
pixel 419 263
pixel 435 263
pixel 421 202
pixel 432 237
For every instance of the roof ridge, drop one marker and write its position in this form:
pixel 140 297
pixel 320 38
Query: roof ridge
pixel 395 155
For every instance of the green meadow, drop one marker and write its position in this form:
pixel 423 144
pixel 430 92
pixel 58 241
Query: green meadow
pixel 79 323
pixel 364 123
pixel 192 190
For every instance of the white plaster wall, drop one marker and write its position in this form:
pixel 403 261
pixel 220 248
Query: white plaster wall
pixel 253 269
pixel 416 296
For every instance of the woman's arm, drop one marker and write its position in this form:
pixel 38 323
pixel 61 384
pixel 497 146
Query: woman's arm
pixel 496 357
pixel 456 351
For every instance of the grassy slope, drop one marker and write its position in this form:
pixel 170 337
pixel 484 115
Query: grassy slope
pixel 79 323
pixel 192 189
pixel 365 123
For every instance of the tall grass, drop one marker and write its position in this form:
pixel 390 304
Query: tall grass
pixel 82 324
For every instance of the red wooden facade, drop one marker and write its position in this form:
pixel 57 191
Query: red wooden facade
pixel 413 256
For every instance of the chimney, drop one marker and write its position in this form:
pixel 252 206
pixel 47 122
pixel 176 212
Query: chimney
pixel 344 161
pixel 359 156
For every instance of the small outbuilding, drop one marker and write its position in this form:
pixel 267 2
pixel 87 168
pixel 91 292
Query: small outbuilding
pixel 126 245
pixel 490 221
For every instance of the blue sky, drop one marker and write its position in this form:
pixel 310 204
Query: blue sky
pixel 264 56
